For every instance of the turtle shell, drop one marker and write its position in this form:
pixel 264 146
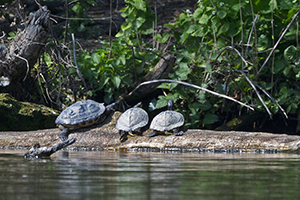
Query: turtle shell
pixel 132 119
pixel 167 120
pixel 81 113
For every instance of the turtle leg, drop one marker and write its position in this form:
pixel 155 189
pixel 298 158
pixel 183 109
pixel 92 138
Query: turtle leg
pixel 130 133
pixel 176 133
pixel 153 133
pixel 123 136
pixel 121 133
pixel 63 135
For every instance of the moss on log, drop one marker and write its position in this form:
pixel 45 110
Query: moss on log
pixel 106 137
pixel 16 115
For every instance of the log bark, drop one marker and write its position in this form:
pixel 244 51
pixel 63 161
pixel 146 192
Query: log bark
pixel 45 152
pixel 160 71
pixel 18 59
pixel 106 137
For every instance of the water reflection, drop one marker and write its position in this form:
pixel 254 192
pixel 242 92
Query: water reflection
pixel 150 175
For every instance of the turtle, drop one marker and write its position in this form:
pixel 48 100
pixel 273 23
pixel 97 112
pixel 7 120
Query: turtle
pixel 81 114
pixel 166 121
pixel 132 120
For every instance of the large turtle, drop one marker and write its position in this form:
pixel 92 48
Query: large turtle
pixel 132 120
pixel 167 121
pixel 81 114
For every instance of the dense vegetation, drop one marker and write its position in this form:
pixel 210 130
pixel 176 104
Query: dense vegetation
pixel 244 49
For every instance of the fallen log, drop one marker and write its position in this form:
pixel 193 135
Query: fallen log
pixel 106 137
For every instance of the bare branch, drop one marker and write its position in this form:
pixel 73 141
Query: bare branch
pixel 190 85
pixel 256 91
pixel 27 64
pixel 78 72
pixel 232 48
pixel 277 43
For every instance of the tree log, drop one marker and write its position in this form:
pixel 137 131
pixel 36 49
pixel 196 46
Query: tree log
pixel 43 152
pixel 18 59
pixel 160 71
pixel 106 137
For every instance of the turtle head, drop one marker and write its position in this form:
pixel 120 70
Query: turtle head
pixel 138 105
pixel 111 107
pixel 170 104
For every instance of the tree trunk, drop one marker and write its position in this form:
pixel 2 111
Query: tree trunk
pixel 19 58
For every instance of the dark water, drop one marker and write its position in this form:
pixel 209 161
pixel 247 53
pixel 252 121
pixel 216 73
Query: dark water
pixel 150 175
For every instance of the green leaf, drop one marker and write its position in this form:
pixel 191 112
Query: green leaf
pixel 183 71
pixel 194 108
pixel 221 14
pixel 48 60
pixel 77 8
pixel 170 25
pixel 192 28
pixel 122 58
pixel 287 70
pixel 262 43
pixel 96 58
pixel 205 105
pixel 90 93
pixel 103 81
pixel 273 4
pixel 161 102
pixel 11 35
pixel 290 53
pixel 204 19
pixel 139 21
pixel 126 26
pixel 278 66
pixel 116 81
pixel 164 86
pixel 210 118
pixel 292 107
pixel 198 13
pixel 120 34
pixel 224 28
pixel 138 4
pixel 164 38
pixel 108 95
pixel 200 31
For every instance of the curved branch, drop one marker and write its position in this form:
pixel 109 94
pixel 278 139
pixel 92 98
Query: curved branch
pixel 189 85
pixel 278 41
pixel 256 91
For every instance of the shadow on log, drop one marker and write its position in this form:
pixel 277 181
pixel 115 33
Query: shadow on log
pixel 106 137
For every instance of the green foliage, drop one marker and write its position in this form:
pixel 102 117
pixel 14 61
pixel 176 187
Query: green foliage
pixel 201 39
pixel 210 45
pixel 112 67
pixel 79 9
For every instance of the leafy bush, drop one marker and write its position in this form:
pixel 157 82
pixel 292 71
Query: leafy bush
pixel 210 44
pixel 221 46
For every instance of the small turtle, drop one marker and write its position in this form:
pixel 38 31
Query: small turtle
pixel 166 121
pixel 81 114
pixel 132 120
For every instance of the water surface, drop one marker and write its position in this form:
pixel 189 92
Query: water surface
pixel 149 175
